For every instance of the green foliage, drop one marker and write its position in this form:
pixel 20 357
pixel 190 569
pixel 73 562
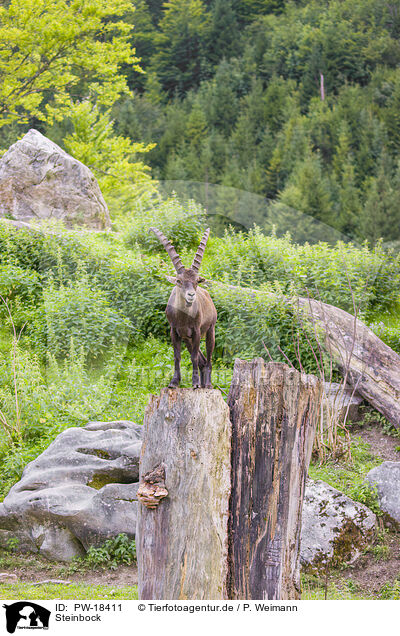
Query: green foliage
pixel 21 289
pixel 234 90
pixel 390 591
pixel 178 60
pixel 314 588
pixel 12 544
pixel 389 332
pixel 367 495
pixel 182 225
pixel 52 49
pixel 112 158
pixel 350 478
pixel 116 551
pixel 82 313
pixel 81 391
pixel 332 274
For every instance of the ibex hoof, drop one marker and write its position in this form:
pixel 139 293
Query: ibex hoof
pixel 172 386
pixel 196 386
pixel 208 386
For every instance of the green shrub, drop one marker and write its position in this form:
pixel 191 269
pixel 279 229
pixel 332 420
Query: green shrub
pixel 182 225
pixel 81 392
pixel 21 289
pixel 367 495
pixel 119 550
pixel 333 274
pixel 134 287
pixel 260 323
pixel 390 334
pixel 81 312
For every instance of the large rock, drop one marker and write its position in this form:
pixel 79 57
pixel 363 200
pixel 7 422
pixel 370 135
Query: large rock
pixel 386 478
pixel 335 529
pixel 39 180
pixel 79 492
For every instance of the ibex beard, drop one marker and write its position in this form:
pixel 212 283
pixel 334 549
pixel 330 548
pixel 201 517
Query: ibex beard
pixel 191 315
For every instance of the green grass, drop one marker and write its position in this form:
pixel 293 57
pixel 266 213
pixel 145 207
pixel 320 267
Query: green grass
pixel 13 591
pixel 344 590
pixel 348 478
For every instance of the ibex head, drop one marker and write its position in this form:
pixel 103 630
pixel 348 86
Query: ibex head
pixel 186 280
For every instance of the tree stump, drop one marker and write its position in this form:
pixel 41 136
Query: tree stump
pixel 274 411
pixel 182 533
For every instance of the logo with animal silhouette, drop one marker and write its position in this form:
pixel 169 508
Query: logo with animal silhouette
pixel 26 615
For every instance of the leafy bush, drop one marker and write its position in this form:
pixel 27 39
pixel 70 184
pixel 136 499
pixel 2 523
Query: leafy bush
pixel 367 495
pixel 182 225
pixel 75 390
pixel 260 323
pixel 21 289
pixel 83 313
pixel 389 333
pixel 333 274
pixel 119 550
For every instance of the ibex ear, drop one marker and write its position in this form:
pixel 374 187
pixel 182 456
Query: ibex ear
pixel 201 280
pixel 171 279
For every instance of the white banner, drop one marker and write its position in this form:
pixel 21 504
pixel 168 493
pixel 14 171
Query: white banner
pixel 181 617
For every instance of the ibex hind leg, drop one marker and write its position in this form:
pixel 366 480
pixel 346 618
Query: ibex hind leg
pixel 201 360
pixel 202 365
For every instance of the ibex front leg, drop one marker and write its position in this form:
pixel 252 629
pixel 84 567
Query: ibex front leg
pixel 194 354
pixel 176 341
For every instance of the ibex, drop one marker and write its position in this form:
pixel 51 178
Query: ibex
pixel 191 314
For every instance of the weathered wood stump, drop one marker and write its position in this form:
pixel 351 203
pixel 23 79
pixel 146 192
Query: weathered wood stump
pixel 182 533
pixel 274 411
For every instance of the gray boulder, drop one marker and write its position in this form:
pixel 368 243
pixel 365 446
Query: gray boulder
pixel 386 478
pixel 335 529
pixel 79 492
pixel 39 180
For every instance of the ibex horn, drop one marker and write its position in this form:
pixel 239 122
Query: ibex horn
pixel 200 252
pixel 170 249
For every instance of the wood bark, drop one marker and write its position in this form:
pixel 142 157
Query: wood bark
pixel 373 367
pixel 274 411
pixel 182 539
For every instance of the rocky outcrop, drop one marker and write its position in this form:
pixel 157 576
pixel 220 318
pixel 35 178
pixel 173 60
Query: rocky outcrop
pixel 79 492
pixel 39 180
pixel 335 529
pixel 386 479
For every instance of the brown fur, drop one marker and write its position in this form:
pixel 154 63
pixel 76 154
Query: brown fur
pixel 192 315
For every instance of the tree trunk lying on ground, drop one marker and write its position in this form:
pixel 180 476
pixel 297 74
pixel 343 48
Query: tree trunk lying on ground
pixel 274 411
pixel 185 481
pixel 373 367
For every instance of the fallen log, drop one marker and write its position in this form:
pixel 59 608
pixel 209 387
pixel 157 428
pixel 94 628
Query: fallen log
pixel 371 366
pixel 274 411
